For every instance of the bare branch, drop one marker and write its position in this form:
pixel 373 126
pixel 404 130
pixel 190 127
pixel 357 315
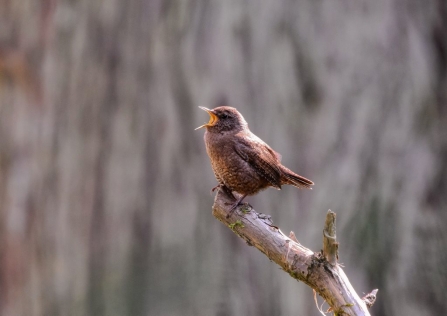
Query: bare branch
pixel 327 279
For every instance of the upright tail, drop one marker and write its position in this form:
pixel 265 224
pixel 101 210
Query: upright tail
pixel 289 177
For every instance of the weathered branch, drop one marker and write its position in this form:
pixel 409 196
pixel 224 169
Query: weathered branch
pixel 318 270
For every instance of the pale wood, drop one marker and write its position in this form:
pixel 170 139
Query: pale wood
pixel 330 245
pixel 327 279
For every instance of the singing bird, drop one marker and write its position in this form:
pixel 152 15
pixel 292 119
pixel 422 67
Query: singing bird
pixel 241 161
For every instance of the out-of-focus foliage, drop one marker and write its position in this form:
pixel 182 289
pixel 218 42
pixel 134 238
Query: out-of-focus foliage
pixel 104 184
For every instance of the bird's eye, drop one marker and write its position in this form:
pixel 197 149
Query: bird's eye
pixel 224 116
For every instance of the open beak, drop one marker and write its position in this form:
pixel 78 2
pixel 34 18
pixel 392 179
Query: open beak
pixel 213 118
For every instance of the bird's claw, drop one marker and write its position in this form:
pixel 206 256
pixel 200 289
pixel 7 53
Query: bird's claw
pixel 233 208
pixel 215 188
pixel 235 205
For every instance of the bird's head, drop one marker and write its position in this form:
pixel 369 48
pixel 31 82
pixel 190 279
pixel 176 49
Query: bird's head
pixel 224 119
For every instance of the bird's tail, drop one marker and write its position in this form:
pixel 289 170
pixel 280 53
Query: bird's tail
pixel 296 180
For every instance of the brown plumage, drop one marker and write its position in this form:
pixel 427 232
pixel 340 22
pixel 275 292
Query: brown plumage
pixel 241 161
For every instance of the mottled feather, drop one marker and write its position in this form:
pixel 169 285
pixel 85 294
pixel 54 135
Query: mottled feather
pixel 262 158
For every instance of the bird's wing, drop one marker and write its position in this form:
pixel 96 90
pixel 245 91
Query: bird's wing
pixel 261 157
pixel 256 139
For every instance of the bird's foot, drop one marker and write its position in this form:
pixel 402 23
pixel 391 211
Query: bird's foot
pixel 227 191
pixel 235 205
pixel 215 188
pixel 232 209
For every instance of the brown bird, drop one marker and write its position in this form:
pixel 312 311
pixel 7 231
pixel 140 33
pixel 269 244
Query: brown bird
pixel 241 161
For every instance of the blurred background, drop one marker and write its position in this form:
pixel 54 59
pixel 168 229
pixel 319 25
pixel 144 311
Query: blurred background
pixel 105 205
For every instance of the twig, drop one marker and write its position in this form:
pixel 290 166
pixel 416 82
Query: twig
pixel 330 245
